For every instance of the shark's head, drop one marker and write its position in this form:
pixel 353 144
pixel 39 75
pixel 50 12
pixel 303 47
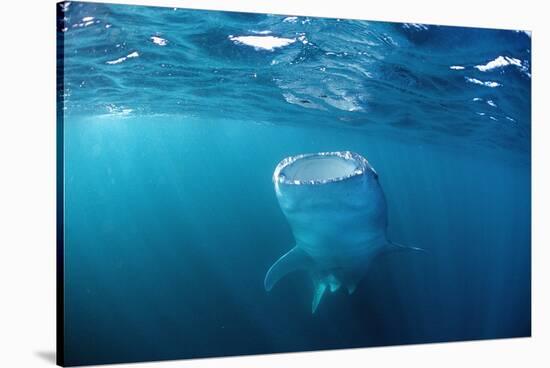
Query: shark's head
pixel 318 189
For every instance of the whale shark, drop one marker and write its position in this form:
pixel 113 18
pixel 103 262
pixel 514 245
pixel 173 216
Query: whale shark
pixel 337 212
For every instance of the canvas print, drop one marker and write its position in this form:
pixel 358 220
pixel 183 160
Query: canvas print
pixel 239 183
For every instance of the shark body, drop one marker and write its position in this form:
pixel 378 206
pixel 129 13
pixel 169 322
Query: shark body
pixel 337 212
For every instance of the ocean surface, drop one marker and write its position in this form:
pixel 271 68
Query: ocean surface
pixel 173 122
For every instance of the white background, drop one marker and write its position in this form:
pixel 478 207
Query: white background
pixel 27 182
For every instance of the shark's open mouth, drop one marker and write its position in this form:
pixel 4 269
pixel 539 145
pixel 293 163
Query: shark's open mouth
pixel 320 168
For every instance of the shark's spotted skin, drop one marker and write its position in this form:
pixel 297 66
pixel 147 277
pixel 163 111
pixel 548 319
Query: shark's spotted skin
pixel 337 212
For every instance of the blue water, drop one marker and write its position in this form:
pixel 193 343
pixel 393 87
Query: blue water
pixel 173 122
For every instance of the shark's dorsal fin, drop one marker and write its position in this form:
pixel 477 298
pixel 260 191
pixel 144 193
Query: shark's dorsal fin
pixel 296 259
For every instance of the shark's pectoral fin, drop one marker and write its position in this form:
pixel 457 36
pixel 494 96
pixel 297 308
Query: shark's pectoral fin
pixel 296 259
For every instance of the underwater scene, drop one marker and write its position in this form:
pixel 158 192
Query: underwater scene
pixel 238 183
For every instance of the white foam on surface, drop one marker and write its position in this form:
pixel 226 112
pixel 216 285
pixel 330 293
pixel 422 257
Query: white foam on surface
pixel 265 32
pixel 303 39
pixel 159 41
pixel 121 59
pixel 456 67
pixel 117 61
pixel 416 26
pixel 290 19
pixel 499 62
pixel 87 19
pixel 482 83
pixel 262 42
